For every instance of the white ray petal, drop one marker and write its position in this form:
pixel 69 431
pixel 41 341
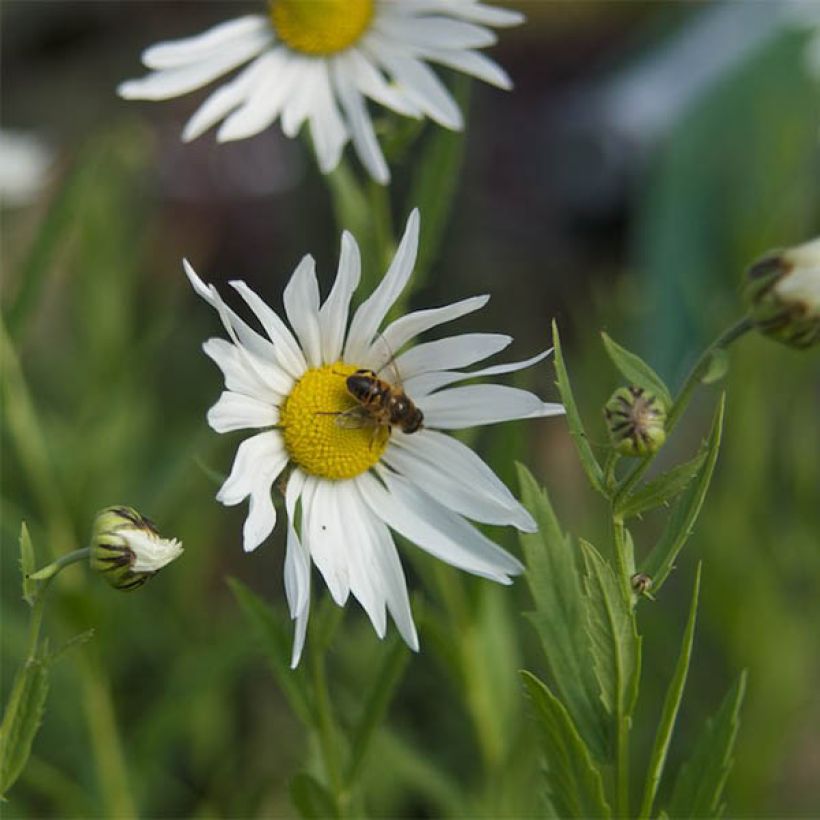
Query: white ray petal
pixel 175 53
pixel 455 351
pixel 234 411
pixel 301 300
pixel 171 82
pixel 334 312
pixel 327 128
pixel 435 529
pixel 241 378
pixel 482 404
pixel 321 532
pixel 299 105
pixel 434 32
pixel 472 63
pixel 463 9
pixel 286 349
pixel 426 383
pixel 371 82
pixel 372 311
pixel 297 568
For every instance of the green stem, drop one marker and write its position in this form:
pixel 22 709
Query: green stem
pixel 625 562
pixel 682 399
pixel 622 766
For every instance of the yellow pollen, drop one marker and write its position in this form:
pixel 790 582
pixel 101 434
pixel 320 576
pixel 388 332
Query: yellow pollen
pixel 320 27
pixel 315 438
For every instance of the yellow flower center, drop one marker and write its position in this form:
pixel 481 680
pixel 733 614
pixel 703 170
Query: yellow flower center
pixel 319 27
pixel 317 438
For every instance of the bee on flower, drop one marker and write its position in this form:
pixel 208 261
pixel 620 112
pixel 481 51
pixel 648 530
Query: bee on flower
pixel 348 484
pixel 319 61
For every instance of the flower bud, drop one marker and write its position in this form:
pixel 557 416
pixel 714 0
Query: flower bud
pixel 783 295
pixel 126 548
pixel 636 419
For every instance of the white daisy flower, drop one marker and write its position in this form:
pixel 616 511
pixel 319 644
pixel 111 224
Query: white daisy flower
pixel 351 479
pixel 319 61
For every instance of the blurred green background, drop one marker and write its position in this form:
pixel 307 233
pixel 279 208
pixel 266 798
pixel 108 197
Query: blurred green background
pixel 648 154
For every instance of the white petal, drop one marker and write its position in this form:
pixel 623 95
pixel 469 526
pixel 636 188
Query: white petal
pixel 482 404
pixel 263 453
pixel 286 348
pixel 372 311
pixel 361 126
pixel 239 377
pixel 472 63
pixel 321 528
pixel 407 327
pixel 172 82
pixel 435 529
pixel 174 53
pixel 327 128
pixel 455 487
pixel 333 313
pixel 297 569
pixel 463 9
pixel 234 411
pixel 298 105
pixel 370 81
pixel 456 351
pixel 426 383
pixel 301 300
pixel 434 32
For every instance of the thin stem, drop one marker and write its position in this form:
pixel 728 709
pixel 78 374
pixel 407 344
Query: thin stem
pixel 625 562
pixel 622 766
pixel 47 572
pixel 682 399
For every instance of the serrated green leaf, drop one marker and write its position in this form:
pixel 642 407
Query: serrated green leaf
pixel 613 636
pixel 661 559
pixel 699 786
pixel 671 705
pixel 276 645
pixel 574 784
pixel 661 489
pixel 27 565
pixel 554 579
pixel 21 720
pixel 576 427
pixel 312 800
pixel 718 366
pixel 636 370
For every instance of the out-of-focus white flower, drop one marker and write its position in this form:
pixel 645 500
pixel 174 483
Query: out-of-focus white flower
pixel 25 161
pixel 337 406
pixel 320 61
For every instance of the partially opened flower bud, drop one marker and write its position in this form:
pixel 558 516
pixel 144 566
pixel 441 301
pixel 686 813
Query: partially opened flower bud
pixel 126 548
pixel 783 295
pixel 636 420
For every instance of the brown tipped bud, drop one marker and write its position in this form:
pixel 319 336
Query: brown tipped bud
pixel 635 418
pixel 783 295
pixel 126 548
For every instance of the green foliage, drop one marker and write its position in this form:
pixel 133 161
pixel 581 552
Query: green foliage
pixel 312 800
pixel 573 781
pixel 636 370
pixel 27 565
pixel 698 789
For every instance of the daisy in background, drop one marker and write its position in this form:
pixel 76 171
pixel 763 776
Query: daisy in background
pixel 351 477
pixel 319 61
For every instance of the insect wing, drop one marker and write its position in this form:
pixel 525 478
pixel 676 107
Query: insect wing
pixel 354 419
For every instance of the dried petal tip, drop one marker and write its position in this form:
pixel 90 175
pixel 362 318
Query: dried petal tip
pixel 636 420
pixel 126 548
pixel 783 295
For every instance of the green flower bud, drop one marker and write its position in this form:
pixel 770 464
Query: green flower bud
pixel 636 419
pixel 783 295
pixel 126 548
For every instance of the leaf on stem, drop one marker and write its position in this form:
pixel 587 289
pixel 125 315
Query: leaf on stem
pixel 671 705
pixel 717 367
pixel 660 561
pixel 613 635
pixel 276 645
pixel 27 565
pixel 312 800
pixel 660 490
pixel 636 370
pixel 574 784
pixel 559 618
pixel 576 426
pixel 699 786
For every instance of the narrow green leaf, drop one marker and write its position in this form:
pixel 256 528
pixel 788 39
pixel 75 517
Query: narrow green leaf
pixel 377 700
pixel 576 428
pixel 72 643
pixel 21 720
pixel 27 565
pixel 718 366
pixel 671 705
pixel 636 370
pixel 312 800
pixel 699 785
pixel 613 635
pixel 574 784
pixel 660 490
pixel 559 618
pixel 660 561
pixel 276 645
